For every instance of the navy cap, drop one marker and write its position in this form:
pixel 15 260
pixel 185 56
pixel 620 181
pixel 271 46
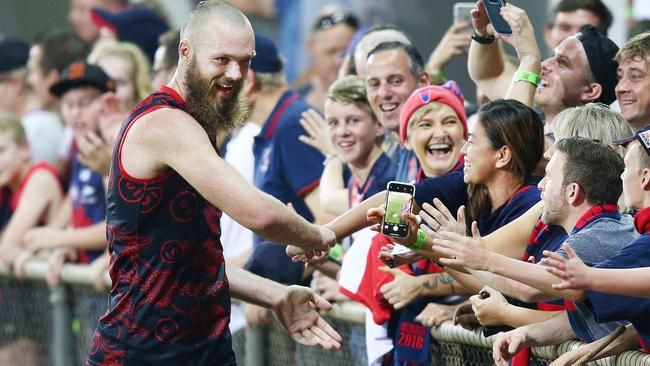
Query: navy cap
pixel 134 24
pixel 600 52
pixel 266 56
pixel 642 135
pixel 13 54
pixel 80 74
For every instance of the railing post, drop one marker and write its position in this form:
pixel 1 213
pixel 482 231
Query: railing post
pixel 255 346
pixel 62 344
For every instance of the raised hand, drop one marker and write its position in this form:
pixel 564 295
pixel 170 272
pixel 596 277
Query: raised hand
pixel 440 218
pixel 460 250
pixel 454 43
pixel 575 275
pixel 316 127
pixel 298 311
pixel 465 317
pixel 523 35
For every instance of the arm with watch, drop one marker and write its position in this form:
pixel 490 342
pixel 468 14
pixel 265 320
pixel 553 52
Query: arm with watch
pixel 487 66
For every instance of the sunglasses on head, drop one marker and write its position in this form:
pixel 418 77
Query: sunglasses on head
pixel 328 21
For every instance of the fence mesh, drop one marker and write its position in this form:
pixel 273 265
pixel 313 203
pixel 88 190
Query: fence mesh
pixel 27 334
pixel 25 322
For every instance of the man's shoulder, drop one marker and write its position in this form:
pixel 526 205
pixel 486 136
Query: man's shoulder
pixel 607 234
pixel 292 113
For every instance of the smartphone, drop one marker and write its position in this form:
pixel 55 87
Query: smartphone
pixel 399 201
pixel 399 251
pixel 463 13
pixel 493 8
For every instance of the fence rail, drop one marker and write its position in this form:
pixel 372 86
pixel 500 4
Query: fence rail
pixel 41 325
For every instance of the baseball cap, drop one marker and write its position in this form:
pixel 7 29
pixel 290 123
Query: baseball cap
pixel 13 54
pixel 266 56
pixel 600 52
pixel 642 135
pixel 80 74
pixel 449 93
pixel 134 24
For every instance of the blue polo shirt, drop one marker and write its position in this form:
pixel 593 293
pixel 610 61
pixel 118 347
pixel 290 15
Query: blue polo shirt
pixel 382 172
pixel 287 169
pixel 609 307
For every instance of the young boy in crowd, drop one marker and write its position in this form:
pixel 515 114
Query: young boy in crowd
pixel 78 233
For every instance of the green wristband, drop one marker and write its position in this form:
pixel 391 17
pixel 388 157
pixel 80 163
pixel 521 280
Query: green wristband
pixel 336 253
pixel 528 76
pixel 422 238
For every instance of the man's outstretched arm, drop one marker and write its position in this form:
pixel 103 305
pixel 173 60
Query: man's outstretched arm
pixel 296 307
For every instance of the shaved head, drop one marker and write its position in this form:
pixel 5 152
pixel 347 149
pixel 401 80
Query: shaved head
pixel 210 9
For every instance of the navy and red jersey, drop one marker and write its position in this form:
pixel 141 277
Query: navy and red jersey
pixel 382 172
pixel 451 189
pixel 609 307
pixel 408 165
pixel 287 169
pixel 9 200
pixel 5 207
pixel 169 303
pixel 545 237
pixel 88 198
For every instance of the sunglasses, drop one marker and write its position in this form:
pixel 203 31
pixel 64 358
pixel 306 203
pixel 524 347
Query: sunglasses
pixel 328 21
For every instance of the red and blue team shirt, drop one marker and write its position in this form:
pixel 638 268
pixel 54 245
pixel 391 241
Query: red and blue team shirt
pixel 381 172
pixel 287 169
pixel 169 303
pixel 609 307
pixel 9 199
pixel 88 198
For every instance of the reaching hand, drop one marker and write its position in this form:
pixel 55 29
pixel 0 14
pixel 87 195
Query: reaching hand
pixel 575 275
pixel 523 34
pixel 454 43
pixel 434 314
pixel 55 263
pixel 465 317
pixel 507 345
pixel 316 127
pixel 440 218
pixel 490 311
pixel 19 263
pixel 396 260
pixel 376 215
pixel 298 310
pixel 402 290
pixel 460 250
pixel 480 19
pixel 326 287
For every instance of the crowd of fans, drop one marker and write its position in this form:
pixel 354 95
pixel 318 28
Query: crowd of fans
pixel 530 211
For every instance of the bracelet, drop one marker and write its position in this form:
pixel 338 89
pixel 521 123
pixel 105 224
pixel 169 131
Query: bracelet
pixel 422 238
pixel 336 253
pixel 528 76
pixel 487 39
pixel 329 157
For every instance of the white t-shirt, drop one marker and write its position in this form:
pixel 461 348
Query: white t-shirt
pixel 44 132
pixel 235 238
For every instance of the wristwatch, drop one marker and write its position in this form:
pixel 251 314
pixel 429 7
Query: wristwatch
pixel 487 39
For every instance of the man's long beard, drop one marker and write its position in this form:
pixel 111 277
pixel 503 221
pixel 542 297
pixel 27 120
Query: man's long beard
pixel 214 114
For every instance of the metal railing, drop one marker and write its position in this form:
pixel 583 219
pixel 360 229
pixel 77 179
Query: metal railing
pixel 42 325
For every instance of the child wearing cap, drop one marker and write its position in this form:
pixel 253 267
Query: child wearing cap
pixel 618 274
pixel 81 90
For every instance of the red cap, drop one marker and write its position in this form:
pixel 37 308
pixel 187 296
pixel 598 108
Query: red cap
pixel 448 93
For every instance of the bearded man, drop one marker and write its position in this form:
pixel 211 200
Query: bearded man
pixel 169 302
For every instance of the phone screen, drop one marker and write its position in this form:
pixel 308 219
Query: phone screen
pixel 398 202
pixel 463 13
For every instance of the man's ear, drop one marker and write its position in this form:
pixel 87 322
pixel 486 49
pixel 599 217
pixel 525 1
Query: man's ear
pixel 111 103
pixel 645 179
pixel 424 80
pixel 250 84
pixel 184 49
pixel 591 92
pixel 575 196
